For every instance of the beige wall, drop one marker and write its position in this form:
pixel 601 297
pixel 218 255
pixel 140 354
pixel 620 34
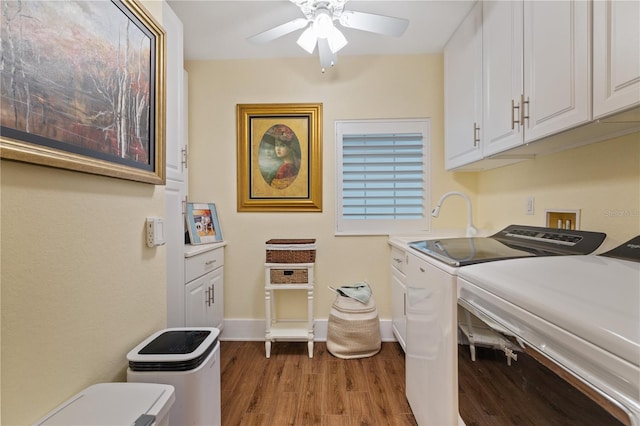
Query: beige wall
pixel 602 181
pixel 80 288
pixel 359 87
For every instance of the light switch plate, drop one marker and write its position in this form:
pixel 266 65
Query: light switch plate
pixel 530 208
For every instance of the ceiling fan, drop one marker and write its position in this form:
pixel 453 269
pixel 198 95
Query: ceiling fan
pixel 319 17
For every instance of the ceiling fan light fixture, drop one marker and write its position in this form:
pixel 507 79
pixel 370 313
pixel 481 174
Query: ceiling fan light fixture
pixel 323 23
pixel 307 40
pixel 336 40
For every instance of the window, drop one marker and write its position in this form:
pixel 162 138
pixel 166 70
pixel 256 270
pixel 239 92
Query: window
pixel 382 176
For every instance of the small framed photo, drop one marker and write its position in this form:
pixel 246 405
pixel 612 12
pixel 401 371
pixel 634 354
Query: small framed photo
pixel 203 225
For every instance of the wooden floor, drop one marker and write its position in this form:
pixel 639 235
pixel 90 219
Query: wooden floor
pixel 291 389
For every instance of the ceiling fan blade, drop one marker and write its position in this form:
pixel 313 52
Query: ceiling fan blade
pixel 308 40
pixel 327 58
pixel 386 25
pixel 279 31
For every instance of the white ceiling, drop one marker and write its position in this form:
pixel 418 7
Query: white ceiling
pixel 216 29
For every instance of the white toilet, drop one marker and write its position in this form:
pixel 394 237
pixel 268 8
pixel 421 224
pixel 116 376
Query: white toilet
pixel 138 404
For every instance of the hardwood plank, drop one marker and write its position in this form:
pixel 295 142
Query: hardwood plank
pixel 337 420
pixel 294 366
pixel 266 390
pixel 284 410
pixel 255 419
pixel 394 380
pixel 233 409
pixel 360 404
pixel 355 378
pixel 310 405
pixel 405 419
pixel 381 405
pixel 335 386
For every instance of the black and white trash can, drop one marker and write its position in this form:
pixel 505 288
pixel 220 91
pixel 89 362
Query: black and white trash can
pixel 188 359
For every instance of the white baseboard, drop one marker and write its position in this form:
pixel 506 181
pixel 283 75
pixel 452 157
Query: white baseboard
pixel 253 329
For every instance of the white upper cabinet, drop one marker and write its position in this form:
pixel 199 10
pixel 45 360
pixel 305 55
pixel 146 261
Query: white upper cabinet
pixel 616 56
pixel 463 92
pixel 536 70
pixel 555 75
pixel 176 119
pixel 557 64
pixel 502 48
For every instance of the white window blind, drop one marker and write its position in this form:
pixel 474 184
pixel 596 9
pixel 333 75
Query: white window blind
pixel 382 168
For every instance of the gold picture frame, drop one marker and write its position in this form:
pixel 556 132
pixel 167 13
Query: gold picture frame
pixel 91 101
pixel 279 154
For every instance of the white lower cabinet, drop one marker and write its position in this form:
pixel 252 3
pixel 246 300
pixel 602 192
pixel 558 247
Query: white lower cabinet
pixel 204 288
pixel 203 301
pixel 399 296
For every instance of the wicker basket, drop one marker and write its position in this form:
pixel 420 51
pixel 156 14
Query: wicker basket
pixel 291 251
pixel 289 276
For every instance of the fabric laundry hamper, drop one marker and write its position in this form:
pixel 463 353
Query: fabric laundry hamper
pixel 353 327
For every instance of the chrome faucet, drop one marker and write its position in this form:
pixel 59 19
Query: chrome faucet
pixel 471 230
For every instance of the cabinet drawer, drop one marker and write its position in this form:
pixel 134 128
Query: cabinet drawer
pixel 398 259
pixel 289 276
pixel 200 264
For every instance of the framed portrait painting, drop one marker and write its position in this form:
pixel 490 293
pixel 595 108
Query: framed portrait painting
pixel 82 87
pixel 279 156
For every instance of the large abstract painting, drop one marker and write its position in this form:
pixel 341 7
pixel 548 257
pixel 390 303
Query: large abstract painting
pixel 82 87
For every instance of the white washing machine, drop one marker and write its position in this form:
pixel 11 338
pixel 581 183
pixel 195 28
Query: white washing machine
pixel 188 359
pixel 580 312
pixel 432 269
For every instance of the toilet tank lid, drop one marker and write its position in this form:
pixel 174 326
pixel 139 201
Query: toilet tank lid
pixel 112 403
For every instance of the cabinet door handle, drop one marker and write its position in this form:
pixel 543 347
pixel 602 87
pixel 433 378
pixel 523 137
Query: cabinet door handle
pixel 212 296
pixel 476 134
pixel 404 300
pixel 513 114
pixel 185 157
pixel 522 115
